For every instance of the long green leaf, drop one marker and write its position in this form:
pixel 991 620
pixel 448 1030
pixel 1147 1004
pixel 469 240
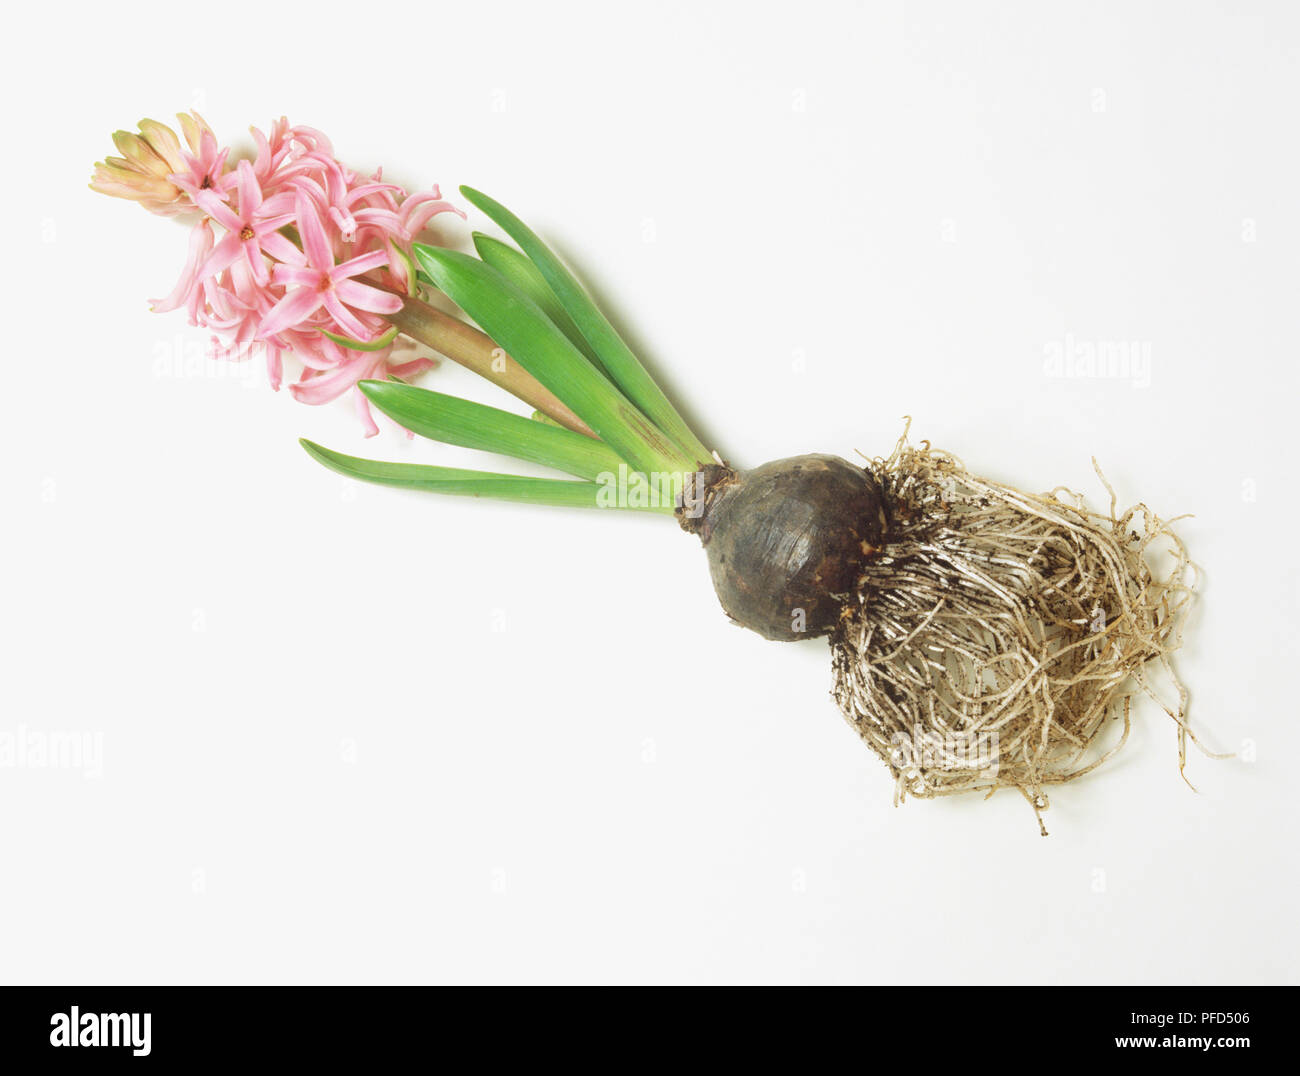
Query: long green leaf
pixel 521 327
pixel 466 483
pixel 623 366
pixel 473 425
pixel 516 267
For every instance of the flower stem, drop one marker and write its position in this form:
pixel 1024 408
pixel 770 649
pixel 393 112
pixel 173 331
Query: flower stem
pixel 474 350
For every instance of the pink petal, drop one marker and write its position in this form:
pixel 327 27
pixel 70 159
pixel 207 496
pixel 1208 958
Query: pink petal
pixel 344 222
pixel 250 192
pixel 320 353
pixel 276 204
pixel 368 190
pixel 419 209
pixel 200 245
pixel 412 368
pixel 313 139
pixel 362 264
pixel 364 297
pixel 223 254
pixel 314 241
pixel 322 388
pixel 384 218
pixel 364 413
pixel 349 324
pixel 297 305
pixel 278 246
pixel 300 276
pixel 267 225
pixel 256 262
pixel 215 208
pixel 274 366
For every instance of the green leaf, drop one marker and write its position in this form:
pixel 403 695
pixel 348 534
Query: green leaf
pixel 377 344
pixel 516 268
pixel 473 425
pixel 522 329
pixel 467 483
pixel 614 354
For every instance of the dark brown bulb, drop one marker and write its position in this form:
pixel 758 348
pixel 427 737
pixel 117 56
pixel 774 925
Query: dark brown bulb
pixel 786 541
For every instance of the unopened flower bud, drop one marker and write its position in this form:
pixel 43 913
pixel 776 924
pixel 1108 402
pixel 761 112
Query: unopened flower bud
pixel 153 159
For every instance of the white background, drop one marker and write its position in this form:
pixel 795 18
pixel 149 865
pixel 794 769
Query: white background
pixel 351 734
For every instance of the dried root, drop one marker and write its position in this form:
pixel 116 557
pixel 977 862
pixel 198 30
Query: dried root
pixel 997 633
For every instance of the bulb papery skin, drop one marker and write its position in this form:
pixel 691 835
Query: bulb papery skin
pixel 786 541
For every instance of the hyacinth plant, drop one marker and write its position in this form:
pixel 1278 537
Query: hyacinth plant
pixel 981 637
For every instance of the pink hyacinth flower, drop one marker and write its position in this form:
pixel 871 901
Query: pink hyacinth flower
pixel 322 283
pixel 252 228
pixel 268 267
